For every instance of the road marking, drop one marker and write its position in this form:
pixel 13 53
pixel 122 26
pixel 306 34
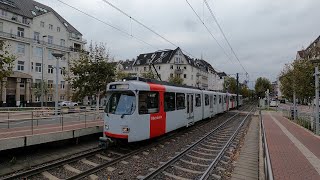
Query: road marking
pixel 49 176
pixel 313 159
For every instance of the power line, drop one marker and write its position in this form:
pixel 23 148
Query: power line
pixel 208 30
pixel 224 36
pixel 145 26
pixel 114 27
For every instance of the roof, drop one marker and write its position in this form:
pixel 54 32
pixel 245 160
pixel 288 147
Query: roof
pixel 31 9
pixel 221 74
pixel 315 41
pixel 126 64
pixel 158 57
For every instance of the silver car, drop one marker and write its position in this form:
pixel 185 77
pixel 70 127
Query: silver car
pixel 68 103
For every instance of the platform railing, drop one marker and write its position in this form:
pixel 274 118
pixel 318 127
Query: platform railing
pixel 35 120
pixel 266 157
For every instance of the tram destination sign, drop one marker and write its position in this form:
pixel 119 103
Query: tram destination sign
pixel 119 86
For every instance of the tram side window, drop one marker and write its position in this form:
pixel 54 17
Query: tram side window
pixel 220 99
pixel 180 101
pixel 215 99
pixel 198 100
pixel 169 101
pixel 148 102
pixel 206 99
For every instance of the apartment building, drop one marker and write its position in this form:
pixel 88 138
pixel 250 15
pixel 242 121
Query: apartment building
pixel 34 32
pixel 170 63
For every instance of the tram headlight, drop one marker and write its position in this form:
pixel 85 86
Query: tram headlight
pixel 125 130
pixel 106 126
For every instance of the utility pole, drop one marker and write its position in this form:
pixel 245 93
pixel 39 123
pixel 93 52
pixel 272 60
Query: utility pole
pixel 237 90
pixel 58 57
pixel 317 98
pixel 268 98
pixel 42 69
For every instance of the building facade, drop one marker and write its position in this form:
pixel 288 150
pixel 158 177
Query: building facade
pixel 33 32
pixel 173 63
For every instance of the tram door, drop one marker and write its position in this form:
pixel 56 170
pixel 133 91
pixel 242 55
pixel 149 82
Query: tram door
pixel 190 112
pixel 211 105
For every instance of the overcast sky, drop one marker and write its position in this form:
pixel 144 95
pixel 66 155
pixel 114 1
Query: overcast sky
pixel 265 34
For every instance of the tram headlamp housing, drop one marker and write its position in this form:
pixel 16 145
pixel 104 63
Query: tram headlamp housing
pixel 125 130
pixel 106 127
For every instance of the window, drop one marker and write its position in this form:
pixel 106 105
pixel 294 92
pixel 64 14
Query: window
pixel 211 101
pixel 50 69
pixel 21 48
pixel 171 75
pixel 50 26
pixel 36 36
pixel 185 76
pixel 148 102
pixel 4 13
pixel 37 51
pixel 1 26
pixel 63 71
pixel 145 68
pixel 50 56
pixel 62 42
pixel 58 29
pixel 31 66
pixel 38 67
pixel 22 83
pixel 20 32
pixel 121 103
pixel 180 101
pixel 169 101
pixel 24 20
pixel 159 67
pixel 184 67
pixel 215 99
pixel 41 24
pixel 198 100
pixel 50 39
pixel 20 66
pixel 37 99
pixel 50 83
pixel 191 77
pixel 220 99
pixel 206 100
pixel 171 67
pixel 62 98
pixel 49 97
pixel 62 85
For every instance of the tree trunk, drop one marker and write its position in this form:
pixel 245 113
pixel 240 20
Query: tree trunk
pixel 97 101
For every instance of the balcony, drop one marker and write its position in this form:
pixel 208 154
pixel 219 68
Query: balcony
pixel 198 74
pixel 205 77
pixel 178 71
pixel 77 38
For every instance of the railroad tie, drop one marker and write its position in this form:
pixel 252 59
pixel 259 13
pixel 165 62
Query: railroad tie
pixel 49 176
pixel 174 176
pixel 187 170
pixel 192 163
pixel 85 161
pixel 77 171
pixel 103 157
pixel 198 158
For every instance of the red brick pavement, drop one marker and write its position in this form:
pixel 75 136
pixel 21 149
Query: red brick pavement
pixel 46 129
pixel 288 163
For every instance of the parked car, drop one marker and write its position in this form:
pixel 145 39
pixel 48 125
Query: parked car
pixel 273 103
pixel 67 103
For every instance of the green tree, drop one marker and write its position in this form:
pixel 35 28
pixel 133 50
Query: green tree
pixel 6 60
pixel 121 75
pixel 262 84
pixel 36 89
pixel 91 73
pixel 230 85
pixel 244 90
pixel 176 80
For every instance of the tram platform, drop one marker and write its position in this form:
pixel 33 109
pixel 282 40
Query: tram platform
pixel 294 151
pixel 17 137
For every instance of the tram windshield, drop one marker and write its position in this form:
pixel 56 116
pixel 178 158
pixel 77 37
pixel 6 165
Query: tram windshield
pixel 121 103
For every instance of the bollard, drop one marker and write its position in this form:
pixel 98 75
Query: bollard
pixel 8 124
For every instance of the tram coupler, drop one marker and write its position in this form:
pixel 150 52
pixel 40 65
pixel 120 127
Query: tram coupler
pixel 104 142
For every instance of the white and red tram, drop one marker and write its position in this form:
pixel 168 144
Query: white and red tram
pixel 138 110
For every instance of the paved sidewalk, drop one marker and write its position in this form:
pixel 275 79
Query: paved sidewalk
pixel 294 151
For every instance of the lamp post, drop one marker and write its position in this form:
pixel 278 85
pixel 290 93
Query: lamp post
pixel 42 69
pixel 316 75
pixel 57 56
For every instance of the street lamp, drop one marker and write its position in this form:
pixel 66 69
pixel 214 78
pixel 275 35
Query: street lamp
pixel 316 75
pixel 42 69
pixel 57 56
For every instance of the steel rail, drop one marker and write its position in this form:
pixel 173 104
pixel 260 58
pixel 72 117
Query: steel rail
pixel 177 157
pixel 214 163
pixel 25 174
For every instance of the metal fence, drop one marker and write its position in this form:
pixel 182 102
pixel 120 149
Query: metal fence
pixel 33 119
pixel 266 157
pixel 304 119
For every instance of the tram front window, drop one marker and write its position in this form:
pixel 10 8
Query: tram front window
pixel 121 103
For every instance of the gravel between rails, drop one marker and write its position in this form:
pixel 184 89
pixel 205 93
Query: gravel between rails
pixel 136 167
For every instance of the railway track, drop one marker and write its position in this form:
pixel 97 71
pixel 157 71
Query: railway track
pixel 201 158
pixel 87 164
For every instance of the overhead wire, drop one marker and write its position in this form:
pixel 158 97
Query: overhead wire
pixel 223 34
pixel 208 30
